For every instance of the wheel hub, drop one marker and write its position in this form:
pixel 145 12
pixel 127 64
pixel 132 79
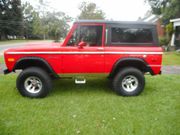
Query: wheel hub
pixel 129 83
pixel 33 84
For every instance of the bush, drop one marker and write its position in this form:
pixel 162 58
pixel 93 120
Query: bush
pixel 169 29
pixel 163 41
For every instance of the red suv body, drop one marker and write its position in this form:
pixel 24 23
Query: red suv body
pixel 102 47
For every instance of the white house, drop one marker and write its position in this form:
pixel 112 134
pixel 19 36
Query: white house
pixel 175 40
pixel 156 19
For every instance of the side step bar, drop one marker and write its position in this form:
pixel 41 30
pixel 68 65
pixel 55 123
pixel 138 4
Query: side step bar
pixel 80 81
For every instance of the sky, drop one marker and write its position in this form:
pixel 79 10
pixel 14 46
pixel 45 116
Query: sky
pixel 119 10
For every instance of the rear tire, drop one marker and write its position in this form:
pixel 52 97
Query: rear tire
pixel 34 82
pixel 129 82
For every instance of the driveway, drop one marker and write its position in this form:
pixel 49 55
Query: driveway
pixel 14 45
pixel 171 70
pixel 2 67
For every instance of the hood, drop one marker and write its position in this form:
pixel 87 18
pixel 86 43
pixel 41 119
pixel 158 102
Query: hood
pixel 36 47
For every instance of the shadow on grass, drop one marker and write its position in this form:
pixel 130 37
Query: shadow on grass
pixel 94 86
pixel 67 86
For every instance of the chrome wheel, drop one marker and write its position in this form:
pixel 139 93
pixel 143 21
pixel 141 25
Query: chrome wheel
pixel 33 84
pixel 130 83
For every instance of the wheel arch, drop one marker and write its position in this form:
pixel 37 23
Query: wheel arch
pixel 26 62
pixel 138 63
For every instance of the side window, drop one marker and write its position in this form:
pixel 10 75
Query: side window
pixel 92 35
pixel 131 35
pixel 73 41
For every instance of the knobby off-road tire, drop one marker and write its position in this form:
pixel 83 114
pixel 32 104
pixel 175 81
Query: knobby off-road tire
pixel 129 81
pixel 34 82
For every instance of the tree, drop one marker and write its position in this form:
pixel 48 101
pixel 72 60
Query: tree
pixel 32 22
pixel 53 24
pixel 10 18
pixel 90 11
pixel 167 8
pixel 56 24
pixel 44 24
pixel 38 30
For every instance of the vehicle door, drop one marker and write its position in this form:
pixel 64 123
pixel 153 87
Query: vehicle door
pixel 92 35
pixel 71 54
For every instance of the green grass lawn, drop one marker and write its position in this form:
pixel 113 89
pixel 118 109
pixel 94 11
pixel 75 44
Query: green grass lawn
pixel 1 59
pixel 171 58
pixel 92 109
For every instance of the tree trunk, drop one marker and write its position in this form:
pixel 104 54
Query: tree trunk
pixel 3 36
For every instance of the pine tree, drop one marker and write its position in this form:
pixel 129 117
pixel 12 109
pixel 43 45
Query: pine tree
pixel 10 18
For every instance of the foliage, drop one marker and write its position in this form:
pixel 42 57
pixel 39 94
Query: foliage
pixel 39 22
pixel 90 11
pixel 169 29
pixel 37 26
pixel 10 18
pixel 52 25
pixel 44 24
pixel 55 23
pixel 168 8
pixel 32 22
pixel 158 6
pixel 29 22
pixel 163 41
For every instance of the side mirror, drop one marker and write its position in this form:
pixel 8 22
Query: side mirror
pixel 81 44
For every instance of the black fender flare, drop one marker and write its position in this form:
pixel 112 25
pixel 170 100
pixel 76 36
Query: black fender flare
pixel 131 61
pixel 39 62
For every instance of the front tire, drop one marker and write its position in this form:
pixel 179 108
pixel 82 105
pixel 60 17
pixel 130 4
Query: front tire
pixel 34 82
pixel 129 81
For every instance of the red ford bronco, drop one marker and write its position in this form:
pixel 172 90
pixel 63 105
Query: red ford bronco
pixel 123 51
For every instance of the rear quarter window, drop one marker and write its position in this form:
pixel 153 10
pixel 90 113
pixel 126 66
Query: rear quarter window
pixel 133 36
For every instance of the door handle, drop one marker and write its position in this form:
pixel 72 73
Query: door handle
pixel 100 49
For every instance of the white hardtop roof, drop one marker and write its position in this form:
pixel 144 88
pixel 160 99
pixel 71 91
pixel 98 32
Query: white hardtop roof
pixel 175 20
